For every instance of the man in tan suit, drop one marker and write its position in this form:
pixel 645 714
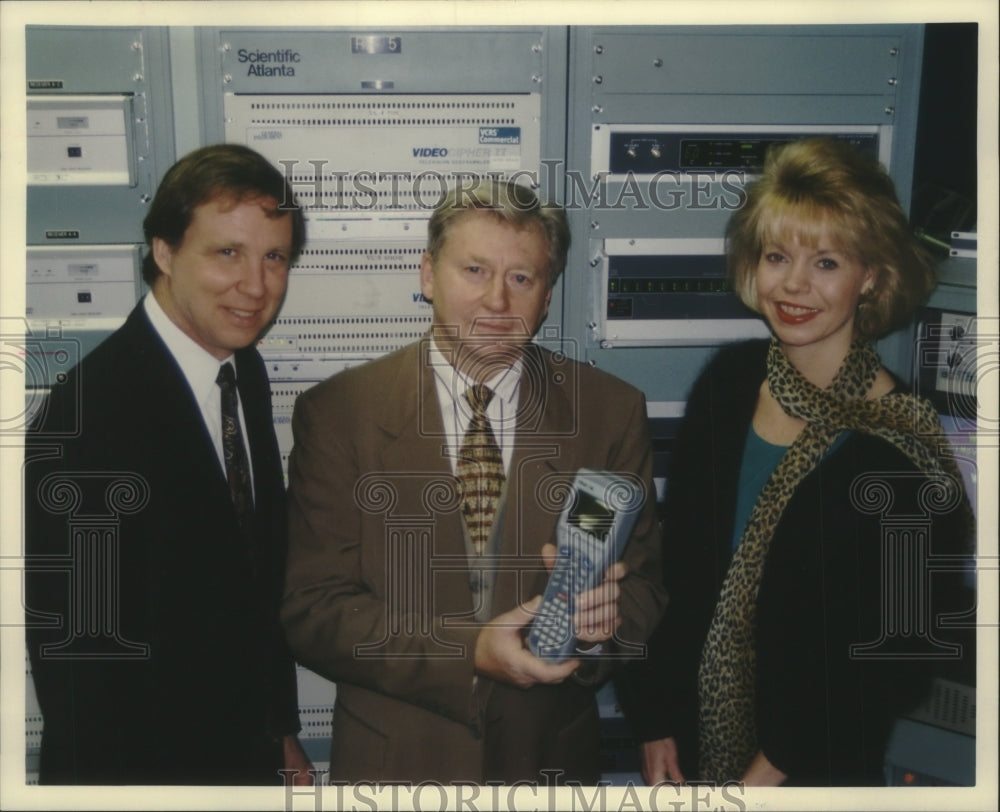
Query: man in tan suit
pixel 394 592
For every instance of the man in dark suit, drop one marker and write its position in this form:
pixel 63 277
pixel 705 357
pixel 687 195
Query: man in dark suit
pixel 155 508
pixel 400 590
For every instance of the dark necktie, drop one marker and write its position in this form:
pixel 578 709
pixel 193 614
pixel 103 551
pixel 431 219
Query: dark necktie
pixel 234 450
pixel 480 470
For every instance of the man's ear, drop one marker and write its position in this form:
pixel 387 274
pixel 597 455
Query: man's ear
pixel 427 276
pixel 162 255
pixel 545 306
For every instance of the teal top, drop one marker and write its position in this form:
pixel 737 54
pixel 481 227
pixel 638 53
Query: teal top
pixel 760 458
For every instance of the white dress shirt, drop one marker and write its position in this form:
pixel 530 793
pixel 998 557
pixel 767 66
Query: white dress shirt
pixel 456 411
pixel 200 369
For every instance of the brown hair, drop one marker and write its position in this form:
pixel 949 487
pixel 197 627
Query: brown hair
pixel 209 173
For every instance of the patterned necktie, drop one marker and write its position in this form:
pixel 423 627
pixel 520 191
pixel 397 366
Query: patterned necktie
pixel 234 450
pixel 480 470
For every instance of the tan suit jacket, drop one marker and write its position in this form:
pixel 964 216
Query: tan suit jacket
pixel 380 595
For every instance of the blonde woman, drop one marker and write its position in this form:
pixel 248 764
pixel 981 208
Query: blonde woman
pixel 774 568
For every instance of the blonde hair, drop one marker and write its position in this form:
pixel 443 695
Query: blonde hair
pixel 508 201
pixel 823 186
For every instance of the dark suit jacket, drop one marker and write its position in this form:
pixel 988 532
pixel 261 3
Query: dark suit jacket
pixel 379 594
pixel 184 676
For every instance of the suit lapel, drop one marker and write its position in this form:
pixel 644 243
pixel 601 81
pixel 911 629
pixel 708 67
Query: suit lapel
pixel 173 415
pixel 415 448
pixel 542 456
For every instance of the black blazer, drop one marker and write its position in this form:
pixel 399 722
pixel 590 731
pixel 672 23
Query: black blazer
pixel 183 676
pixel 823 715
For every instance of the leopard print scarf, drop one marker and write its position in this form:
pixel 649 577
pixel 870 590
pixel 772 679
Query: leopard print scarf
pixel 726 678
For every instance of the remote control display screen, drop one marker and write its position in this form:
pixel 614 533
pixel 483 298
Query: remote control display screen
pixel 591 515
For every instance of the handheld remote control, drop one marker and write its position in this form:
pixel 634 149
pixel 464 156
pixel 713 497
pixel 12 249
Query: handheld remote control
pixel 594 526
